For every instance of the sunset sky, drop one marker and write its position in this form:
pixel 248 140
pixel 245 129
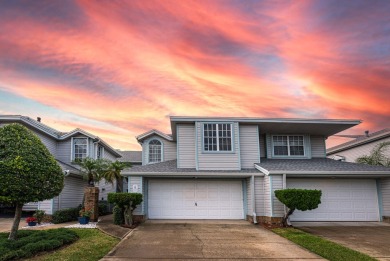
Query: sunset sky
pixel 120 68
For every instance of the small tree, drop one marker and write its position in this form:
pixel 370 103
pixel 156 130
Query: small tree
pixel 114 173
pixel 28 172
pixel 301 199
pixel 93 169
pixel 127 202
pixel 377 156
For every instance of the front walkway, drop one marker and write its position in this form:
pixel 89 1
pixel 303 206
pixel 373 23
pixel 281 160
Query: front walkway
pixel 205 240
pixel 371 238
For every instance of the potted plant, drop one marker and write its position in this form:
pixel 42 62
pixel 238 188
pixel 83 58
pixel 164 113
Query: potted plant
pixel 84 216
pixel 31 221
pixel 39 215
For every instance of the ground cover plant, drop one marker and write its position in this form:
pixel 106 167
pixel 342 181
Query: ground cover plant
pixel 31 242
pixel 91 246
pixel 320 246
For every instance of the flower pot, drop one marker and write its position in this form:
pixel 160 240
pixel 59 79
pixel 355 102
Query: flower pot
pixel 83 220
pixel 31 224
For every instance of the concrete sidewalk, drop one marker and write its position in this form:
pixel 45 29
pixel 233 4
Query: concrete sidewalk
pixel 201 241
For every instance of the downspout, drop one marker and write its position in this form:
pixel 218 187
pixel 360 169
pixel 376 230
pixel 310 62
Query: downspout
pixel 253 199
pixel 284 187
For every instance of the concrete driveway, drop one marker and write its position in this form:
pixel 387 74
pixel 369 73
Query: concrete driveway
pixel 204 240
pixel 371 238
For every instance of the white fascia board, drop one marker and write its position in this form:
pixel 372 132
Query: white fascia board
pixel 192 174
pixel 331 173
pixel 151 132
pixel 261 120
pixel 263 170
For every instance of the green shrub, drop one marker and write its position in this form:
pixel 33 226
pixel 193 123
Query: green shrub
pixel 127 202
pixel 66 215
pixel 103 208
pixel 118 215
pixel 301 199
pixel 39 215
pixel 31 242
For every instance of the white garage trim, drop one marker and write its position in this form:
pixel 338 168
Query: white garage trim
pixel 195 199
pixel 342 199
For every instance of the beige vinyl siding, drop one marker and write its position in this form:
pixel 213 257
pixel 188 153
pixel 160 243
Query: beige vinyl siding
pixel 169 149
pixel 317 146
pixel 137 180
pixel 263 152
pixel 249 196
pixel 55 204
pixel 186 146
pixel 64 150
pixel 385 188
pixel 267 197
pixel 218 160
pixel 249 146
pixel 352 154
pixel 46 205
pixel 259 196
pixel 278 207
pixel 72 194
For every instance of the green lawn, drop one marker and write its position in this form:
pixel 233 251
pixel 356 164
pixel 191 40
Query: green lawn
pixel 92 245
pixel 321 246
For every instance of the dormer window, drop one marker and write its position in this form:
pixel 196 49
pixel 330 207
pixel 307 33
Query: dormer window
pixel 80 148
pixel 155 151
pixel 217 137
pixel 288 145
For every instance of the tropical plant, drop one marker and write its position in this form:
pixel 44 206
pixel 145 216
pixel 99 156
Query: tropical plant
pixel 301 199
pixel 114 173
pixel 85 212
pixel 28 172
pixel 127 202
pixel 377 155
pixel 39 215
pixel 93 169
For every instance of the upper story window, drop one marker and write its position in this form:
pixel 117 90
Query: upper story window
pixel 80 147
pixel 155 151
pixel 286 145
pixel 99 152
pixel 217 137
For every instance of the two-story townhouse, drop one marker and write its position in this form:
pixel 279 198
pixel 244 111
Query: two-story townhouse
pixel 66 147
pixel 229 168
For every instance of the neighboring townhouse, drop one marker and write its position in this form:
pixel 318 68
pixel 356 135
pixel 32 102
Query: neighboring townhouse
pixel 66 147
pixel 359 146
pixel 229 168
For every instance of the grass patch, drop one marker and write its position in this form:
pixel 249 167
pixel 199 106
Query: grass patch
pixel 321 246
pixel 31 242
pixel 92 245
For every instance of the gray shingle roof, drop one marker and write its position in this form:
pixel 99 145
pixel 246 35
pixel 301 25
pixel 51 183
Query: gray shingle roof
pixel 359 140
pixel 321 165
pixel 131 156
pixel 170 166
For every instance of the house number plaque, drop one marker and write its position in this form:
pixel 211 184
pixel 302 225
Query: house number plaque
pixel 135 188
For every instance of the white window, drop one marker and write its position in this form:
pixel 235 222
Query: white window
pixel 155 151
pixel 99 152
pixel 288 145
pixel 80 148
pixel 217 137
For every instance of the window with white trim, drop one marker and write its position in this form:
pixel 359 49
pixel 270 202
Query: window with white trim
pixel 288 145
pixel 99 152
pixel 80 148
pixel 217 137
pixel 155 150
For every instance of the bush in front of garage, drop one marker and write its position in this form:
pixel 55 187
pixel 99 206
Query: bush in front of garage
pixel 301 199
pixel 127 202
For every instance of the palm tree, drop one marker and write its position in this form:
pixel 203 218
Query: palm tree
pixel 377 156
pixel 114 173
pixel 93 169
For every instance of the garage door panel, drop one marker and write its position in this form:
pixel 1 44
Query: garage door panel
pixel 215 199
pixel 342 200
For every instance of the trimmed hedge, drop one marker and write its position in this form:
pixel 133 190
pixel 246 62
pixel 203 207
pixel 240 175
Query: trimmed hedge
pixel 32 242
pixel 118 216
pixel 66 215
pixel 301 199
pixel 124 199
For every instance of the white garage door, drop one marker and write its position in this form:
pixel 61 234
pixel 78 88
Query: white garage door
pixel 195 199
pixel 342 200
